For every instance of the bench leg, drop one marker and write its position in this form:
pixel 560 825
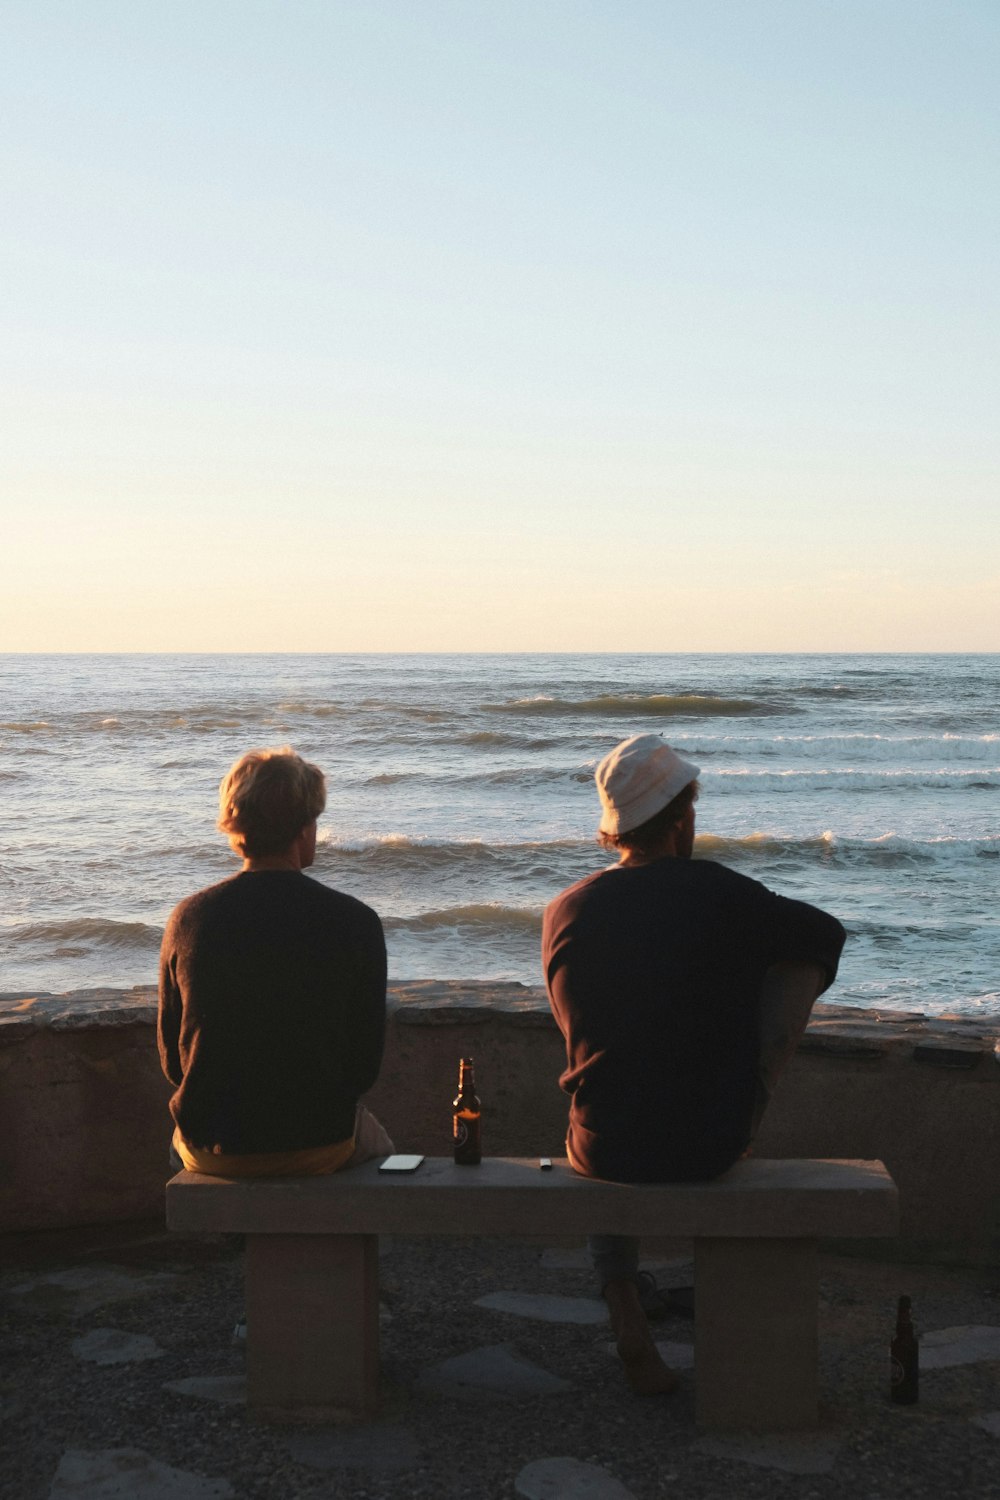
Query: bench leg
pixel 756 1336
pixel 312 1326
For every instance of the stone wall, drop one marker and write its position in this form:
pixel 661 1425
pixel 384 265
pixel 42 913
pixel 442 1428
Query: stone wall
pixel 84 1125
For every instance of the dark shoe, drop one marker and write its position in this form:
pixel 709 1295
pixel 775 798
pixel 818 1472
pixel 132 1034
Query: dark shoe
pixel 653 1301
pixel 664 1302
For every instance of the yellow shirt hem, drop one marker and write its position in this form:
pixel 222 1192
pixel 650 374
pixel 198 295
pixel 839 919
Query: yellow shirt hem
pixel 313 1161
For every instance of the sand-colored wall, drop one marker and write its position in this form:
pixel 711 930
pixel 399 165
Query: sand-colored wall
pixel 84 1126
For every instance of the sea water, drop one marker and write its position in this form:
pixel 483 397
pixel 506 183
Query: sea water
pixel 461 799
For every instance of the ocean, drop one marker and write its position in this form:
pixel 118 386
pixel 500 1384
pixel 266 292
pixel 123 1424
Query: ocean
pixel 461 799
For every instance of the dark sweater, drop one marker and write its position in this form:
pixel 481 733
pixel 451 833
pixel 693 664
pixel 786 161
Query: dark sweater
pixel 272 1012
pixel 654 976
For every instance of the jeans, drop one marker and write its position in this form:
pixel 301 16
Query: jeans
pixel 788 994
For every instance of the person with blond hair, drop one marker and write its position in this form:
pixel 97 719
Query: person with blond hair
pixel 681 989
pixel 272 994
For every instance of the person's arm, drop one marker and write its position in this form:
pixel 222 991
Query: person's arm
pixel 800 946
pixel 168 1024
pixel 365 1030
pixel 787 997
pixel 793 933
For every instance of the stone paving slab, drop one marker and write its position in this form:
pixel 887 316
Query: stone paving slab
pixel 791 1453
pixel 129 1474
pixel 942 1348
pixel 379 1448
pixel 492 1370
pixel 546 1307
pixel 82 1289
pixel 227 1390
pixel 568 1479
pixel 110 1346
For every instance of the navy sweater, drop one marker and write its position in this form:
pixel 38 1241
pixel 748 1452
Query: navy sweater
pixel 272 1012
pixel 654 976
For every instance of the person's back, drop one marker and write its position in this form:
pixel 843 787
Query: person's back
pixel 272 994
pixel 654 972
pixel 283 990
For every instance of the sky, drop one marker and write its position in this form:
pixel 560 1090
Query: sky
pixel 463 325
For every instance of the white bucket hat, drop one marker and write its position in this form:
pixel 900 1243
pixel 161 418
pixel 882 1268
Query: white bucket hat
pixel 637 779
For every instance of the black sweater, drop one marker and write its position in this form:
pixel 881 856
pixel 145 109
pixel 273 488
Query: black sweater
pixel 272 1012
pixel 654 975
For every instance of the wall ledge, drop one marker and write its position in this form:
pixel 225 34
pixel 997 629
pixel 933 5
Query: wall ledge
pixel 955 1041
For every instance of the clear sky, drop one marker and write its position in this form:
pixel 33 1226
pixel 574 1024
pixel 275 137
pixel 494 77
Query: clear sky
pixel 500 325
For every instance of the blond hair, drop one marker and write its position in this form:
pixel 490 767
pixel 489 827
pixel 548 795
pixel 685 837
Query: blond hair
pixel 267 798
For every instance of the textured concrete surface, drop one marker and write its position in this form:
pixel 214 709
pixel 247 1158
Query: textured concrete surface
pixel 757 1197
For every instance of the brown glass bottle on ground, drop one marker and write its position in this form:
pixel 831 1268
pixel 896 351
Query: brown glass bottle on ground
pixel 465 1117
pixel 904 1352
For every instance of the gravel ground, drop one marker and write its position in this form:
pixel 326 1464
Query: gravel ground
pixel 186 1294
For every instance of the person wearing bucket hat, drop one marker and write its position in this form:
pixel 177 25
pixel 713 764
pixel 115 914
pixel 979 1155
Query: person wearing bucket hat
pixel 637 780
pixel 681 989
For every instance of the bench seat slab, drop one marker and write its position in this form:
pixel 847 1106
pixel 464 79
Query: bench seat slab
pixel 312 1326
pixel 754 1198
pixel 756 1333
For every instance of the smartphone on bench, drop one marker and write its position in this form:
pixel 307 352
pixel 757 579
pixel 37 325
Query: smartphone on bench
pixel 400 1164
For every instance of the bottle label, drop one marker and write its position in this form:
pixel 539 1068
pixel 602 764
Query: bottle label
pixel 898 1374
pixel 461 1131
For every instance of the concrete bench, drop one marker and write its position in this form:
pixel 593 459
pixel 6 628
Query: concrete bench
pixel 312 1266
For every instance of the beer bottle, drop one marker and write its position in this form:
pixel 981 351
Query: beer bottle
pixel 468 1148
pixel 905 1365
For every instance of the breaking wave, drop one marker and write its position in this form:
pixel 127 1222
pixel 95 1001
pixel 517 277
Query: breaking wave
pixel 514 776
pixel 851 780
pixel 653 706
pixel 486 739
pixel 491 916
pixel 80 935
pixel 397 854
pixel 886 850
